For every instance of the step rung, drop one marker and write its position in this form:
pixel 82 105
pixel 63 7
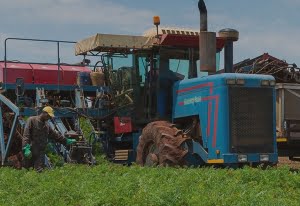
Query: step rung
pixel 121 152
pixel 118 159
pixel 121 155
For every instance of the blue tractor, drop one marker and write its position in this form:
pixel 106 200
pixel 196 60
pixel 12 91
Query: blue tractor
pixel 168 114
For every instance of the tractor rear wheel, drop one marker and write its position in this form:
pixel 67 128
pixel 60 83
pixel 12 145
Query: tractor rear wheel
pixel 161 143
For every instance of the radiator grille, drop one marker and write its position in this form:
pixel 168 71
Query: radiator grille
pixel 251 120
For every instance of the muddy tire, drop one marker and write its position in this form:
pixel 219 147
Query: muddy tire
pixel 161 143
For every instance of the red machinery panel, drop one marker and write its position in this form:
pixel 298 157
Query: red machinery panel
pixel 46 74
pixel 70 73
pixel 122 125
pixel 14 71
pixel 191 41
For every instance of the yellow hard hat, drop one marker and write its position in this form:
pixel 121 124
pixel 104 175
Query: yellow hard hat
pixel 49 110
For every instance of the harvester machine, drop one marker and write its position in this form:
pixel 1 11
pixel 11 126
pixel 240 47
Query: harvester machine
pixel 27 87
pixel 164 113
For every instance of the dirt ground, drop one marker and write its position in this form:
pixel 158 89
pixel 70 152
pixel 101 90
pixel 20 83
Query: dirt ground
pixel 291 163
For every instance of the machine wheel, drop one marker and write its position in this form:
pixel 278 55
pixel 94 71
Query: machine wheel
pixel 161 143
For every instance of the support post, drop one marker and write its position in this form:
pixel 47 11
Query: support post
pixel 228 57
pixel 79 98
pixel 5 148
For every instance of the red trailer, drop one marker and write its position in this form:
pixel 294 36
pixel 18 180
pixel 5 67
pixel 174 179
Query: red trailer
pixel 16 70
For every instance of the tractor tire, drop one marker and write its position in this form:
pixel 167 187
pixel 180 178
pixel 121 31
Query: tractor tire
pixel 161 143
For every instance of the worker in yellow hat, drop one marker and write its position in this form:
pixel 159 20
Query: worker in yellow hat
pixel 48 110
pixel 35 139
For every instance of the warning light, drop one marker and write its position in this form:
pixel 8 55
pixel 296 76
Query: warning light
pixel 156 20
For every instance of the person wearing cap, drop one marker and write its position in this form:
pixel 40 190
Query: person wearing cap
pixel 35 139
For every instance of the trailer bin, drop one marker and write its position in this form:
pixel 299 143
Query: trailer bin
pixel 47 74
pixel 14 71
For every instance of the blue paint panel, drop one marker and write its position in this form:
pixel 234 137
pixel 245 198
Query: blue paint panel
pixel 208 98
pixel 56 87
pixel 203 114
pixel 218 130
pixel 135 142
pixel 255 158
pixel 161 102
pixel 198 149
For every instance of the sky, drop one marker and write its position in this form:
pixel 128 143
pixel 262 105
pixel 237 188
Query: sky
pixel 269 26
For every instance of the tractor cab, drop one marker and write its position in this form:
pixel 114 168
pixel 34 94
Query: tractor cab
pixel 141 70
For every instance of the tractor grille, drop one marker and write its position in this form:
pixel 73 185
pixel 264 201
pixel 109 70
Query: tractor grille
pixel 251 120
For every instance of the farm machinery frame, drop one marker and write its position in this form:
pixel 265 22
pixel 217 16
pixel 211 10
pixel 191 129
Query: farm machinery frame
pixel 154 108
pixel 27 87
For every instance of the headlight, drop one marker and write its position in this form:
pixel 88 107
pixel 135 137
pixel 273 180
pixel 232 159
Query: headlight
pixel 242 158
pixel 240 81
pixel 272 83
pixel 230 81
pixel 264 158
pixel 265 83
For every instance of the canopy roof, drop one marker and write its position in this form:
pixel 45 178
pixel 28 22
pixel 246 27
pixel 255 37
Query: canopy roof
pixel 108 42
pixel 120 43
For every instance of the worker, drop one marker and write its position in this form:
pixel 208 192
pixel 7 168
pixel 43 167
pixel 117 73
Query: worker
pixel 36 133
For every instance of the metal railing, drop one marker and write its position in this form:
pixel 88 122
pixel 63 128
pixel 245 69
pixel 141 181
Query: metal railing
pixel 58 43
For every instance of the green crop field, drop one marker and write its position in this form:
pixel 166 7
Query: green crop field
pixel 110 184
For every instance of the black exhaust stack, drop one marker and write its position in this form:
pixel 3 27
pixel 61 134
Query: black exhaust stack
pixel 207 42
pixel 203 15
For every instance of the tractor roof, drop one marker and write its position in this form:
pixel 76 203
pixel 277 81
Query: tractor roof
pixel 124 43
pixel 109 43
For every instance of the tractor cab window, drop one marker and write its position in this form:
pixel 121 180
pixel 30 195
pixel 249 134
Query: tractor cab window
pixel 121 71
pixel 180 62
pixel 147 65
pixel 144 62
pixel 158 69
pixel 121 76
pixel 179 66
pixel 174 64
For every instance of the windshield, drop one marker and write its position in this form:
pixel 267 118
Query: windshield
pixel 184 62
pixel 180 61
pixel 179 66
